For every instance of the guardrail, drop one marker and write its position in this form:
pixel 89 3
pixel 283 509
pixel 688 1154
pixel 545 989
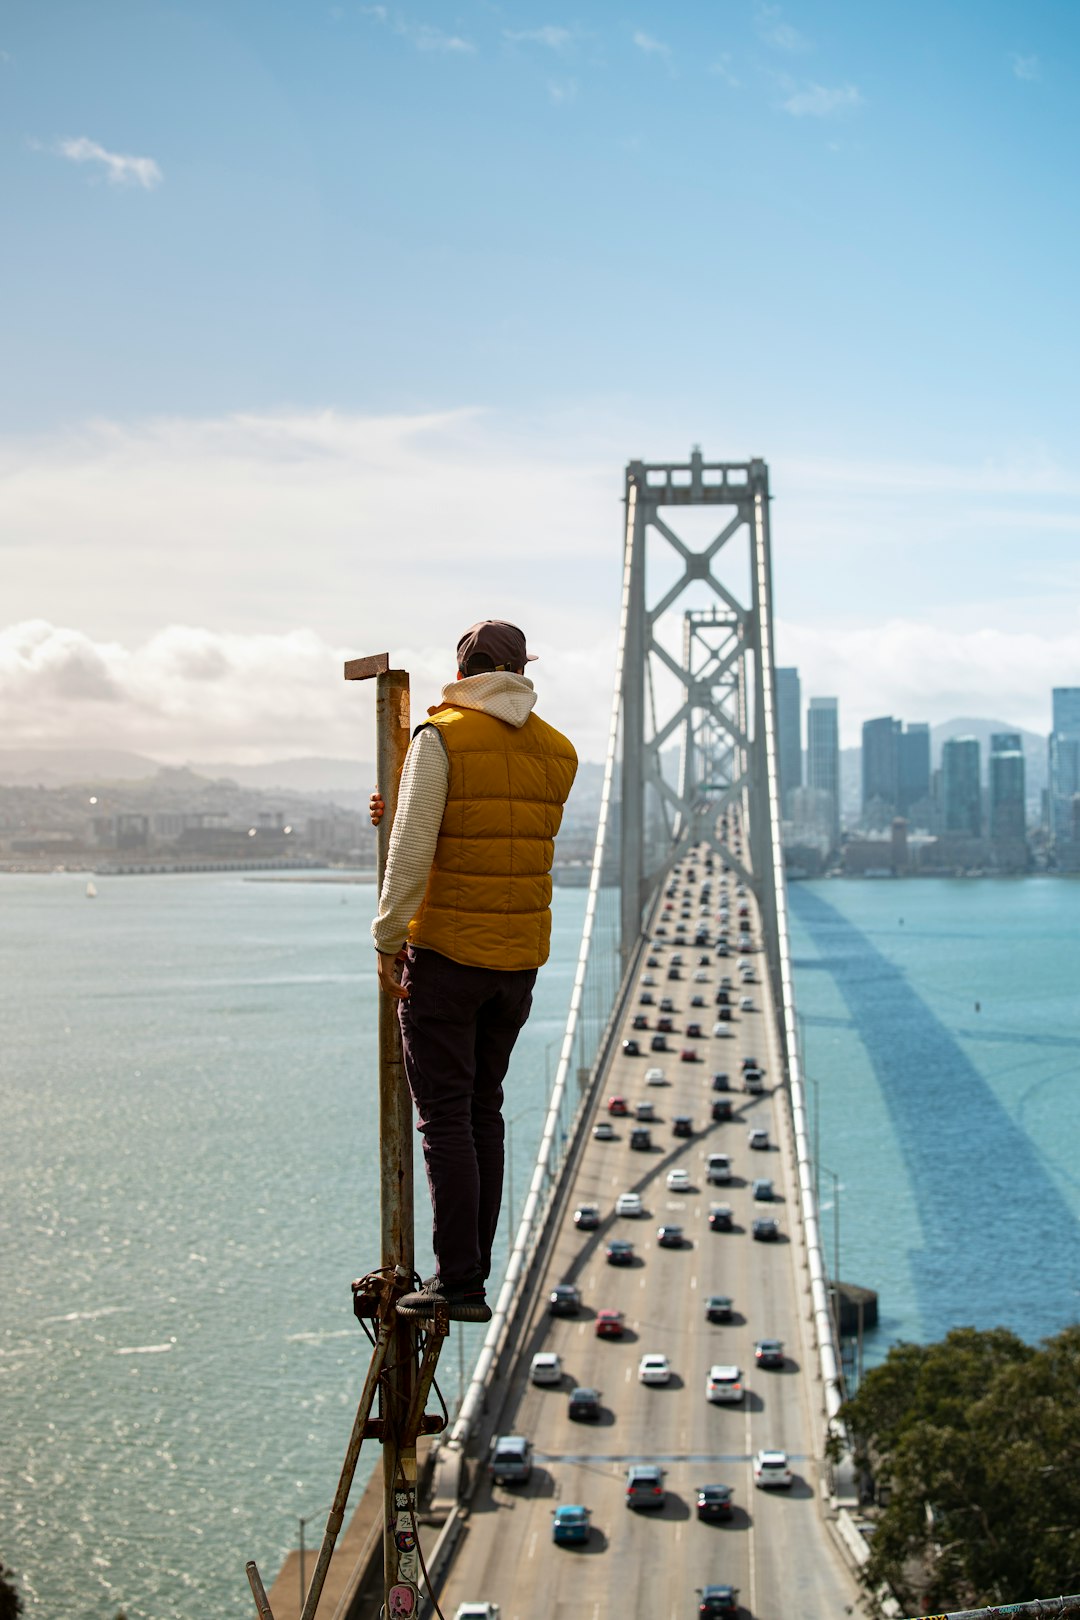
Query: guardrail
pixel 1061 1605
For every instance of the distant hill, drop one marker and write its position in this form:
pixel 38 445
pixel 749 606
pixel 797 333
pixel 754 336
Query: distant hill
pixel 305 775
pixel 57 767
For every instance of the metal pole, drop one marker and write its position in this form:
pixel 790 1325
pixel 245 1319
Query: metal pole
pixel 401 1564
pixel 303 1583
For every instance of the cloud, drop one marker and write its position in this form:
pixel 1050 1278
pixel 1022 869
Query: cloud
pixel 817 101
pixel 562 90
pixel 928 672
pixel 556 39
pixel 1025 67
pixel 428 38
pixel 120 169
pixel 775 31
pixel 722 69
pixel 653 47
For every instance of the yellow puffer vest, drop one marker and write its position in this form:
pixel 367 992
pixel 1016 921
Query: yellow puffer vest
pixel 488 897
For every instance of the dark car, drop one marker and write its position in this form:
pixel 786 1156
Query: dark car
pixel 697 1001
pixel 609 1323
pixel 587 1217
pixel 769 1352
pixel 717 1602
pixel 619 1252
pixel 693 1032
pixel 682 1125
pixel 652 961
pixel 752 1063
pixel 667 1005
pixel 714 1503
pixel 584 1405
pixel 665 1025
pixel 641 1139
pixel 717 1308
pixel 765 1229
pixel 723 998
pixel 639 1021
pixel 721 1109
pixel 631 1049
pixel 564 1300
pixel 721 1081
pixel 644 1486
pixel 646 999
pixel 721 1218
pixel 670 1237
pixel 659 1044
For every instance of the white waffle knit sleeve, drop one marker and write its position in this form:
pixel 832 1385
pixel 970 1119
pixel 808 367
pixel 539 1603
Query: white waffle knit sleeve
pixel 425 780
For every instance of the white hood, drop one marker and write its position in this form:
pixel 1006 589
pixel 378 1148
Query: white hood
pixel 501 694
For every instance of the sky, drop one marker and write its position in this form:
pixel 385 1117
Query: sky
pixel 330 329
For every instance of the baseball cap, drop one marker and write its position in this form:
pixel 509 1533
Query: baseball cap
pixel 492 644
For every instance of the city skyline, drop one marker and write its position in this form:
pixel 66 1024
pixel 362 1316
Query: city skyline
pixel 327 338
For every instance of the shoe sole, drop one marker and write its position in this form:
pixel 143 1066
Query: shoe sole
pixel 456 1313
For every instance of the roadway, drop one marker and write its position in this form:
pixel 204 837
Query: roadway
pixel 776 1548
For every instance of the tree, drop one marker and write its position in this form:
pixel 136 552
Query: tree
pixel 978 1438
pixel 10 1598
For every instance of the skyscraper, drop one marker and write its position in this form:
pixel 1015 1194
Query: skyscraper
pixel 823 755
pixel 961 788
pixel 913 766
pixel 1064 759
pixel 880 769
pixel 1007 818
pixel 789 731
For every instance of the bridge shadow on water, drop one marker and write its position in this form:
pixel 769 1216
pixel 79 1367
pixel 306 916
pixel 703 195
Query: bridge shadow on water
pixel 1000 1242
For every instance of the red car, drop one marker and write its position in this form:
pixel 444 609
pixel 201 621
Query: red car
pixel 617 1105
pixel 609 1324
pixel 688 1055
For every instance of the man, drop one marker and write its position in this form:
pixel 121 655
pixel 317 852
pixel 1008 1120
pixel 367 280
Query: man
pixel 465 911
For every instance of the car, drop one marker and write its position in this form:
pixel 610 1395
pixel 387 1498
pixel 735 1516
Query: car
pixel 722 951
pixel 723 1386
pixel 697 1001
pixel 753 1083
pixel 564 1300
pixel 721 1081
pixel 750 1063
pixel 670 1237
pixel 676 959
pixel 604 1131
pixel 619 1252
pixel 477 1611
pixel 646 999
pixel 667 1005
pixel 584 1406
pixel 610 1323
pixel 746 973
pixel 720 1029
pixel 659 1044
pixel 655 1077
pixel 645 1111
pixel 765 1229
pixel 714 1503
pixel 763 1190
pixel 693 1032
pixel 511 1460
pixel 718 1308
pixel 723 997
pixel 746 1003
pixel 641 1139
pixel 725 982
pixel 718 1168
pixel 645 1486
pixel 721 1218
pixel 546 1368
pixel 703 961
pixel 629 1203
pixel 569 1525
pixel 652 961
pixel 618 1105
pixel 674 973
pixel 769 1352
pixel 758 1139
pixel 682 1125
pixel 639 1021
pixel 654 1369
pixel 665 1025
pixel 771 1471
pixel 631 1048
pixel 587 1217
pixel 718 1602
pixel 721 1109
pixel 700 976
pixel 688 1055
pixel 661 929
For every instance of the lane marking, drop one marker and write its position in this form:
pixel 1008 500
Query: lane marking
pixel 750 1547
pixel 530 1551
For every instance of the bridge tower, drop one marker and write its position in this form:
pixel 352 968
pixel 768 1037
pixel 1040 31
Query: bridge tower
pixel 707 695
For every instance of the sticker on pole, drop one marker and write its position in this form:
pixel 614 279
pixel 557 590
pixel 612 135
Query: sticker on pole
pixel 402 1602
pixel 405 1545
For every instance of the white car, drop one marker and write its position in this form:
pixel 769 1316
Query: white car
pixel 477 1611
pixel 654 1370
pixel 604 1131
pixel 546 1368
pixel 758 1138
pixel 771 1470
pixel 746 1003
pixel 629 1204
pixel 701 977
pixel 718 1168
pixel 655 1077
pixel 724 1386
pixel 678 1181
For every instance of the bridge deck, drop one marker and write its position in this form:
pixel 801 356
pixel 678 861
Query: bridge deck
pixel 776 1549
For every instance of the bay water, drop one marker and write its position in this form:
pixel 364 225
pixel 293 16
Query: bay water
pixel 189 1161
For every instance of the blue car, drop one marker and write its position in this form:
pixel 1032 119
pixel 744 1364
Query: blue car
pixel 570 1525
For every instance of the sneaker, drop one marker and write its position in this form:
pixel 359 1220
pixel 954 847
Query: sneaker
pixel 465 1302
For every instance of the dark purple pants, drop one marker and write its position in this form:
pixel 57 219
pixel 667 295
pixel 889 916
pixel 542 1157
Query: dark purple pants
pixel 458 1029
